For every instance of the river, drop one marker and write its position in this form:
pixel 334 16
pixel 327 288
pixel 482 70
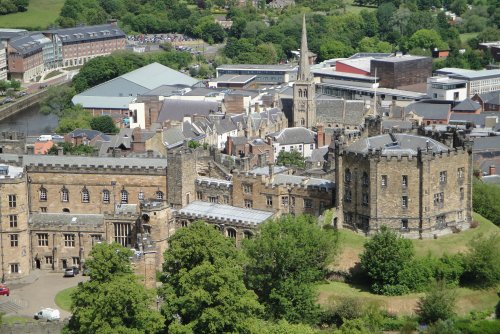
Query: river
pixel 30 121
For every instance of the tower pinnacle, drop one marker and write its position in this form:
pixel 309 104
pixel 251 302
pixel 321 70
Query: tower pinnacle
pixel 304 72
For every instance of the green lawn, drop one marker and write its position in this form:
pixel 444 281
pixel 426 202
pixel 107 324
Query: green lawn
pixel 15 319
pixel 467 299
pixel 63 298
pixel 466 36
pixel 352 243
pixel 40 14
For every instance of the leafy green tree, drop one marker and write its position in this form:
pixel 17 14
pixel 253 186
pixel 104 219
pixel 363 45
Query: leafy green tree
pixel 112 301
pixel 482 267
pixel 383 257
pixel 74 118
pixel 281 327
pixel 486 200
pixel 286 258
pixel 15 84
pixel 71 149
pixel 203 285
pixel 334 49
pixel 426 39
pixel 104 124
pixel 293 158
pixel 437 304
pixel 443 327
pixel 417 273
pixel 57 100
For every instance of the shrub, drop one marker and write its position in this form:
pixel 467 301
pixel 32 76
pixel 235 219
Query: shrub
pixel 449 268
pixel 347 308
pixel 443 327
pixel 482 267
pixel 437 304
pixel 392 290
pixel 417 274
pixel 479 326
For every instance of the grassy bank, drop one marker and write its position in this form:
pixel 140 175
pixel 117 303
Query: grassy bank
pixel 63 298
pixel 40 14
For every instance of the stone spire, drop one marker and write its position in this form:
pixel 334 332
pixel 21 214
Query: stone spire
pixel 304 72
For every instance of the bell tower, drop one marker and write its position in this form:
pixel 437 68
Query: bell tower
pixel 304 103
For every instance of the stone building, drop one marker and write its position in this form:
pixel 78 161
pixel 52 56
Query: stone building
pixel 412 184
pixel 14 244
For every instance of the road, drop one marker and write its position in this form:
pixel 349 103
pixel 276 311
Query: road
pixel 27 299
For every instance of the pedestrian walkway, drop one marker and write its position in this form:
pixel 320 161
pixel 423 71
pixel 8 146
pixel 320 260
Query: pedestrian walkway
pixel 32 277
pixel 12 305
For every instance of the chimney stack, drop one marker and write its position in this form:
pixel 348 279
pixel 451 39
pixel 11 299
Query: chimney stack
pixel 60 151
pixel 320 135
pixel 492 170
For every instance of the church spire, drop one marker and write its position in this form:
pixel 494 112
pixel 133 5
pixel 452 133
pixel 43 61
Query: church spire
pixel 304 72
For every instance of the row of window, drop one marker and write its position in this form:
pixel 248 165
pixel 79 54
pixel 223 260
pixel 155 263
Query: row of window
pixel 69 239
pixel 105 195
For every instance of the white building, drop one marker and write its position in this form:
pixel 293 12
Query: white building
pixel 293 139
pixel 478 82
pixel 447 89
pixel 3 64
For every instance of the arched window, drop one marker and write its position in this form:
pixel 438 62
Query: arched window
pixel 302 121
pixel 105 196
pixel 247 234
pixel 124 196
pixel 85 195
pixel 184 223
pixel 365 179
pixel 159 195
pixel 64 195
pixel 347 175
pixel 300 92
pixel 305 92
pixel 231 233
pixel 43 194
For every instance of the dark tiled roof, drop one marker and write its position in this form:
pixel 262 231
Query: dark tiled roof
pixel 25 45
pixel 429 110
pixel 319 154
pixel 331 110
pixel 88 33
pixel 405 144
pixel 397 124
pixel 467 105
pixel 175 109
pixel 90 134
pixel 495 99
pixel 476 119
pixel 487 144
pixel 296 135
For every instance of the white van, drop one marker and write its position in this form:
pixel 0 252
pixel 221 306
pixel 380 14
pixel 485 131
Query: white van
pixel 48 314
pixel 45 138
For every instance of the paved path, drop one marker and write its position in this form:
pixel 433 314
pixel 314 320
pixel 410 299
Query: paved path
pixel 27 298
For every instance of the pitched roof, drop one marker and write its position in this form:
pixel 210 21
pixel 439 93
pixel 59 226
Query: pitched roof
pixel 334 110
pixel 476 119
pixel 87 161
pixel 66 219
pixel 26 44
pixel 290 136
pixel 429 110
pixel 176 109
pixel 319 154
pixel 467 105
pixel 89 134
pixel 42 147
pixel 285 179
pixel 486 144
pixel 88 33
pixel 155 75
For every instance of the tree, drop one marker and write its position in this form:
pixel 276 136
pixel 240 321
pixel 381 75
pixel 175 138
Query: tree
pixel 334 49
pixel 437 304
pixel 74 118
pixel 486 200
pixel 383 257
pixel 112 301
pixel 293 158
pixel 426 39
pixel 104 124
pixel 286 257
pixel 203 285
pixel 57 100
pixel 482 267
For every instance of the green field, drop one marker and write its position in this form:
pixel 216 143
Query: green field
pixel 63 298
pixel 40 14
pixel 466 36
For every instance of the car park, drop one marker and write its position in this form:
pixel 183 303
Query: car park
pixel 48 314
pixel 4 290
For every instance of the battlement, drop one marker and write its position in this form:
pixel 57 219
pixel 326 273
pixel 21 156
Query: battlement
pixel 212 182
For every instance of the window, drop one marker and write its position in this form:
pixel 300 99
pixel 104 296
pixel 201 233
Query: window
pixel 462 193
pixel 248 203
pixel 48 260
pixel 300 147
pixel 347 195
pixel 439 199
pixel 404 224
pixel 14 268
pixel 43 194
pixel 96 239
pixel 69 240
pixel 14 240
pixel 404 202
pixel 225 199
pixel 76 261
pixel 441 221
pixel 43 209
pixel 85 195
pixel 311 146
pixel 365 199
pixel 247 188
pixel 284 201
pixel 459 215
pixel 384 181
pixel 213 199
pixel 105 196
pixel 347 176
pixel 159 195
pixel 442 177
pixel 308 203
pixel 64 195
pixel 140 195
pixel 13 220
pixel 461 173
pixel 269 201
pixel 12 201
pixel 365 180
pixel 123 234
pixel 231 233
pixel 199 195
pixel 404 181
pixel 43 239
pixel 124 196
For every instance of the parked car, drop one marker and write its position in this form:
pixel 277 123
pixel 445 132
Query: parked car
pixel 4 290
pixel 21 94
pixel 76 270
pixel 48 314
pixel 69 272
pixel 8 99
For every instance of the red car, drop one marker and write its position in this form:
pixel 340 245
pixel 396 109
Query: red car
pixel 4 290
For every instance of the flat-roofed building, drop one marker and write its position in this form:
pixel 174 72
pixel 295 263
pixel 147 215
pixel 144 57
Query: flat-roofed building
pixel 445 88
pixel 265 74
pixel 478 82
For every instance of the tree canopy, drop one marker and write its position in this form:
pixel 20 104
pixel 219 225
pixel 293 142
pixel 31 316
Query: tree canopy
pixel 104 124
pixel 293 158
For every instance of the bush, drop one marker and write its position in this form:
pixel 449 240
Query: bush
pixel 479 326
pixel 392 290
pixel 486 201
pixel 482 267
pixel 347 308
pixel 449 268
pixel 443 327
pixel 417 274
pixel 437 304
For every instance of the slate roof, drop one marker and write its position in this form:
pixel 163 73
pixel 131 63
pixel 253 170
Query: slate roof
pixel 26 45
pixel 495 99
pixel 491 179
pixel 487 163
pixel 290 136
pixel 70 219
pixel 334 110
pixel 89 161
pixel 176 109
pixel 239 140
pixel 225 125
pixel 397 124
pixel 265 170
pixel 486 144
pixel 429 110
pixel 221 212
pixel 319 154
pixel 476 119
pixel 173 137
pixel 88 33
pixel 488 95
pixel 294 180
pixel 405 144
pixel 467 105
pixel 123 139
pixel 469 74
pixel 90 134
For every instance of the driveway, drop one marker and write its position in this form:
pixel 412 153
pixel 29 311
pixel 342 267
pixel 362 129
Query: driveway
pixel 27 299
